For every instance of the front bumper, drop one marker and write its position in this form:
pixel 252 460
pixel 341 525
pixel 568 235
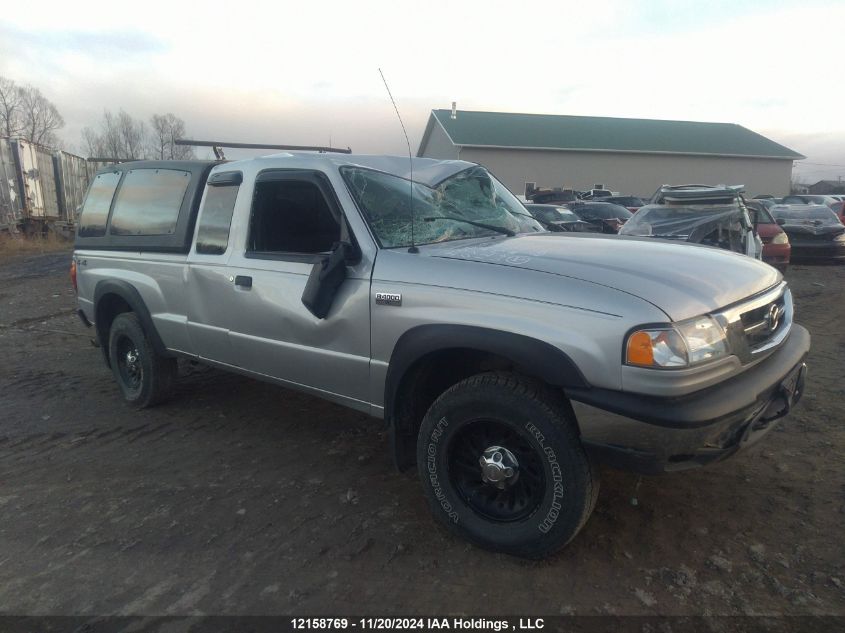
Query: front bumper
pixel 818 250
pixel 650 435
pixel 776 254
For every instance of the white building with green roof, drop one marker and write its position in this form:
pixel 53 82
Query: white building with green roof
pixel 633 156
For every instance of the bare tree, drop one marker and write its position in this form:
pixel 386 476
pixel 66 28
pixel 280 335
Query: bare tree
pixel 166 128
pixel 10 108
pixel 133 135
pixel 93 142
pixel 119 136
pixel 40 117
pixel 797 185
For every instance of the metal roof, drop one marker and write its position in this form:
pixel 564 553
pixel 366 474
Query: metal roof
pixel 602 134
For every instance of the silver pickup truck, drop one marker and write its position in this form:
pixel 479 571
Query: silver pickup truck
pixel 506 361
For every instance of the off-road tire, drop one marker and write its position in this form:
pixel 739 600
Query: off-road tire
pixel 152 378
pixel 536 418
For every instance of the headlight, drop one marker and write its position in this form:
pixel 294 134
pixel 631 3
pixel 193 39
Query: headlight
pixel 681 345
pixel 839 238
pixel 780 238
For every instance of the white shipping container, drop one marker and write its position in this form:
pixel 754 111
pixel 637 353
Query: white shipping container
pixel 11 201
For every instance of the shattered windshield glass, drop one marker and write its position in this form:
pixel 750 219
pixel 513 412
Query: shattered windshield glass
pixel 720 225
pixel 468 204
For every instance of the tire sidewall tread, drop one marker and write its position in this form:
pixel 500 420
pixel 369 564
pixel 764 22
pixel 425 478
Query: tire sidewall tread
pixel 158 372
pixel 540 414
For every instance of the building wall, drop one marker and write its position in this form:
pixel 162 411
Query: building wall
pixel 439 145
pixel 634 174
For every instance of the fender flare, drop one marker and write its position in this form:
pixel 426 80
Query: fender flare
pixel 132 297
pixel 535 357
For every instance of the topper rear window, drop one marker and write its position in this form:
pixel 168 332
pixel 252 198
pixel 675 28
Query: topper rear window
pixel 149 201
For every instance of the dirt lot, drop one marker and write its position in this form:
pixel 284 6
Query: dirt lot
pixel 243 498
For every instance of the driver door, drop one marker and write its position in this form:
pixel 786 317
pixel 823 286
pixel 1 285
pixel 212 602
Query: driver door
pixel 294 221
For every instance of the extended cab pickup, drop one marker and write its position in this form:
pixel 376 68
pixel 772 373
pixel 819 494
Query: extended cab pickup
pixel 507 361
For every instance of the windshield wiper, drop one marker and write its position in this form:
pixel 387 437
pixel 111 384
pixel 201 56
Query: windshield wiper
pixel 482 225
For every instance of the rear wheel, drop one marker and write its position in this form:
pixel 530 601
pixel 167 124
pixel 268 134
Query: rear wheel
pixel 145 378
pixel 502 465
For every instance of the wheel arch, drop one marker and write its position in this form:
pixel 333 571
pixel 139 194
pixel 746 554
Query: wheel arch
pixel 428 359
pixel 113 297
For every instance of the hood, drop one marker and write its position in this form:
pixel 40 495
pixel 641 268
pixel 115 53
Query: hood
pixel 682 280
pixel 814 229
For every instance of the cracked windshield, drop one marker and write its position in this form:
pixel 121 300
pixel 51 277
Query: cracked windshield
pixel 465 205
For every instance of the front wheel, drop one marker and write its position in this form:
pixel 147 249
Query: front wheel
pixel 502 465
pixel 145 378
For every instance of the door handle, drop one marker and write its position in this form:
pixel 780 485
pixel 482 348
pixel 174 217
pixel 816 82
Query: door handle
pixel 243 281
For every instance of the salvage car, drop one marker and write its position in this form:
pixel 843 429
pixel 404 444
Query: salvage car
pixel 699 214
pixel 802 199
pixel 603 217
pixel 632 203
pixel 814 231
pixel 776 247
pixel 558 218
pixel 507 361
pixel 552 196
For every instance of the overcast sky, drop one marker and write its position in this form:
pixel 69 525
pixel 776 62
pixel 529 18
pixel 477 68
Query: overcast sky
pixel 307 72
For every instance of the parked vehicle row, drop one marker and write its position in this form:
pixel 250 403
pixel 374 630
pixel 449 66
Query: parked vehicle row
pixel 594 217
pixel 715 216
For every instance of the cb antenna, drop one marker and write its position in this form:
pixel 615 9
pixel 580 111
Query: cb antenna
pixel 413 248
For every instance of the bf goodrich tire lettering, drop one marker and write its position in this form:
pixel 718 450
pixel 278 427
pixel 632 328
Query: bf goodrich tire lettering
pixel 533 421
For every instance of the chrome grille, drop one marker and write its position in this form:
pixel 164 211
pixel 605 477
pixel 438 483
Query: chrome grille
pixel 759 325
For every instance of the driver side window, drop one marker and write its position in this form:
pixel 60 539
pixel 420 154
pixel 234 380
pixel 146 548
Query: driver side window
pixel 291 216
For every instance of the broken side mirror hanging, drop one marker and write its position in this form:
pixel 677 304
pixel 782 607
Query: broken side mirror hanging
pixel 326 277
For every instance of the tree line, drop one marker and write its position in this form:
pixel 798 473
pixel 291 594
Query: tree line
pixel 26 113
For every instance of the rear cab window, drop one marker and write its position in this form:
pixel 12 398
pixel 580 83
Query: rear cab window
pixel 216 217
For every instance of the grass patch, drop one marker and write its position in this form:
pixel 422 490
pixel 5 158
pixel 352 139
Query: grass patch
pixel 14 245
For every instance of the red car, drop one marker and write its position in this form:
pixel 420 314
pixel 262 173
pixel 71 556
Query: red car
pixel 776 247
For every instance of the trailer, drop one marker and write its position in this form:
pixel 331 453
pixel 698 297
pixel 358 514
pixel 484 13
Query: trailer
pixel 41 188
pixel 11 200
pixel 38 172
pixel 72 176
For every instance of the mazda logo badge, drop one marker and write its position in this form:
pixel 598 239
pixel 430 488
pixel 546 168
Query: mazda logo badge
pixel 774 316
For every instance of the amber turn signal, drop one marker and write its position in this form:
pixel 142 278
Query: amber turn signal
pixel 640 351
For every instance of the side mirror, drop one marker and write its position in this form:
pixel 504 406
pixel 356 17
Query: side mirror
pixel 780 221
pixel 326 277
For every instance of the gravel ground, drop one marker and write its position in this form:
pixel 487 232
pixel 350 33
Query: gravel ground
pixel 239 497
